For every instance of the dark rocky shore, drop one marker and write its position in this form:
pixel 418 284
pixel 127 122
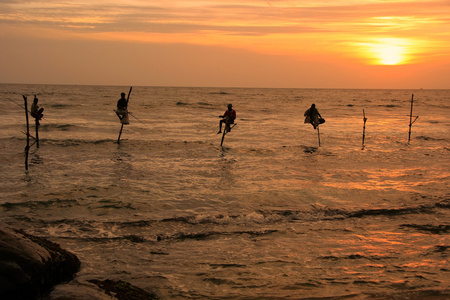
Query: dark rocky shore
pixel 35 268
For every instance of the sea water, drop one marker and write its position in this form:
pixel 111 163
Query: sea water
pixel 270 215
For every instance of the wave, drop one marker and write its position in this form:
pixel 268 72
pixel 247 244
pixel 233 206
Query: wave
pixel 51 126
pixel 389 105
pixel 440 249
pixel 62 105
pixel 219 93
pixel 407 293
pixel 257 217
pixel 435 229
pixel 35 204
pixel 61 142
pixel 276 216
pixel 420 209
pixel 428 138
pixel 353 256
pixel 179 236
pixel 316 214
pixel 206 235
pixel 77 142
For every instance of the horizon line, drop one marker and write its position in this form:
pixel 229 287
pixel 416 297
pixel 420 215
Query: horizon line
pixel 221 87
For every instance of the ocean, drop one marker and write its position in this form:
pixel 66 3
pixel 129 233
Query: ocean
pixel 270 215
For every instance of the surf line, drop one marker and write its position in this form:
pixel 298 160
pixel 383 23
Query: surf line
pixel 124 118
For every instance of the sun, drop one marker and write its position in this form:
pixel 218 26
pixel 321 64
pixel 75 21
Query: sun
pixel 389 54
pixel 387 51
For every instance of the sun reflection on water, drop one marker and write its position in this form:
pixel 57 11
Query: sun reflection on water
pixel 379 179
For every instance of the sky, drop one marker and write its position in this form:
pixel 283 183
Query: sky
pixel 218 43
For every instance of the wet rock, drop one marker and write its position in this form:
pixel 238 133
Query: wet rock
pixel 123 290
pixel 30 266
pixel 74 290
pixel 99 290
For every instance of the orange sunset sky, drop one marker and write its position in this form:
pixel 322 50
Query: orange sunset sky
pixel 296 44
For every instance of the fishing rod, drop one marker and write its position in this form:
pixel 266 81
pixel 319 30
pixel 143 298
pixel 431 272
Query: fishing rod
pixel 49 120
pixel 17 104
pixel 138 119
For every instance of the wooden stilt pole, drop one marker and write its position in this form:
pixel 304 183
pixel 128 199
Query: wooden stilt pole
pixel 318 134
pixel 27 148
pixel 364 129
pixel 223 137
pixel 37 129
pixel 120 133
pixel 129 93
pixel 37 133
pixel 225 131
pixel 411 122
pixel 410 118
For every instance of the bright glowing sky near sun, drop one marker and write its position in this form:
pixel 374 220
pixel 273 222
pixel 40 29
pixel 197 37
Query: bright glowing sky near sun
pixel 304 44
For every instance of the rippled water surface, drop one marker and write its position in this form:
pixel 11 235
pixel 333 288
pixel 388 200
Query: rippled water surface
pixel 269 215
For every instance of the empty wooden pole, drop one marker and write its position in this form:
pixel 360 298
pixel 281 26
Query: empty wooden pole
pixel 411 122
pixel 410 118
pixel 364 129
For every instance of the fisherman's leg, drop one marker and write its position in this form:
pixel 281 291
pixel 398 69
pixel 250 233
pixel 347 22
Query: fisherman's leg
pixel 315 121
pixel 227 122
pixel 220 126
pixel 227 126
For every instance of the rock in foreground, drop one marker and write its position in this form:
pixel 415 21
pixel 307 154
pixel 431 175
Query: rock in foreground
pixel 30 266
pixel 99 290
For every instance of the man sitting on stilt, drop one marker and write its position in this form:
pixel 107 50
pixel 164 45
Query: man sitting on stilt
pixel 228 118
pixel 35 111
